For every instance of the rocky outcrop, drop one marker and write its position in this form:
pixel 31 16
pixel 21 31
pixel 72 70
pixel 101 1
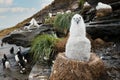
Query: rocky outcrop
pixel 39 72
pixel 24 38
pixel 110 55
pixel 55 6
pixel 94 2
pixel 105 27
pixel 67 69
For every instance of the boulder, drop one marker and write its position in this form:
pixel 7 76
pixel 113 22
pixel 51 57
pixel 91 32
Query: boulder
pixel 67 69
pixel 103 12
pixel 107 32
pixel 106 27
pixel 39 72
pixel 24 38
pixel 97 43
pixel 94 2
pixel 103 9
pixel 86 6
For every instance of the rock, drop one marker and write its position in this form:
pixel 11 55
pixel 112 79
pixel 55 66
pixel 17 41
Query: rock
pixel 86 6
pixel 106 32
pixel 63 4
pixel 24 38
pixel 67 69
pixel 103 9
pixel 75 5
pixel 99 41
pixel 106 28
pixel 39 72
pixel 94 2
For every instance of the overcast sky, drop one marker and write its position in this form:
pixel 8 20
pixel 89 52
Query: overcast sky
pixel 14 11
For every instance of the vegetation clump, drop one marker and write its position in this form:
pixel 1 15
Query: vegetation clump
pixel 43 49
pixel 62 22
pixel 81 3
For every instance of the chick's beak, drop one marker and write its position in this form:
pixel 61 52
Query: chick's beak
pixel 77 20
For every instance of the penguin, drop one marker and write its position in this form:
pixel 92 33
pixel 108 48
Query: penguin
pixel 18 55
pixel 25 55
pixel 24 59
pixel 20 60
pixel 12 50
pixel 19 49
pixel 6 63
pixel 3 61
pixel 23 70
pixel 22 55
pixel 22 66
pixel 5 57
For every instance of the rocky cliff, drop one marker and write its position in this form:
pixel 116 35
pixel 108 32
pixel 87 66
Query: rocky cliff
pixel 56 5
pixel 106 27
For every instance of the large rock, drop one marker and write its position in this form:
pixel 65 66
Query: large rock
pixel 39 72
pixel 95 2
pixel 24 38
pixel 107 32
pixel 106 27
pixel 67 69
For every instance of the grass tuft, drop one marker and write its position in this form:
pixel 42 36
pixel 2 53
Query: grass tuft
pixel 43 48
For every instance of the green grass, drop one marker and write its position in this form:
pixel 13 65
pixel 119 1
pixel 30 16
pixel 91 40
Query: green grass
pixel 81 2
pixel 43 46
pixel 62 22
pixel 49 20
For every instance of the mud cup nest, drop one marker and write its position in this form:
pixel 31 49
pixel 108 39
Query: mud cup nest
pixel 67 69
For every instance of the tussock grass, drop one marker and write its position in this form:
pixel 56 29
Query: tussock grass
pixel 62 22
pixel 43 48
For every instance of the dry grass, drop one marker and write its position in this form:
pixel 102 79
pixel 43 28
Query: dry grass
pixel 60 45
pixel 6 31
pixel 67 69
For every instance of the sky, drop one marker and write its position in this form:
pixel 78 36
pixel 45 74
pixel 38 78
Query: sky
pixel 15 11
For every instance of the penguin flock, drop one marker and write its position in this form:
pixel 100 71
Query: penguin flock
pixel 19 58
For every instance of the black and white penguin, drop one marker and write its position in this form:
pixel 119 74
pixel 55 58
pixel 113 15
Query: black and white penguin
pixel 3 61
pixel 24 59
pixel 19 49
pixel 6 63
pixel 22 55
pixel 23 70
pixel 26 55
pixel 18 56
pixel 22 66
pixel 12 50
pixel 20 59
